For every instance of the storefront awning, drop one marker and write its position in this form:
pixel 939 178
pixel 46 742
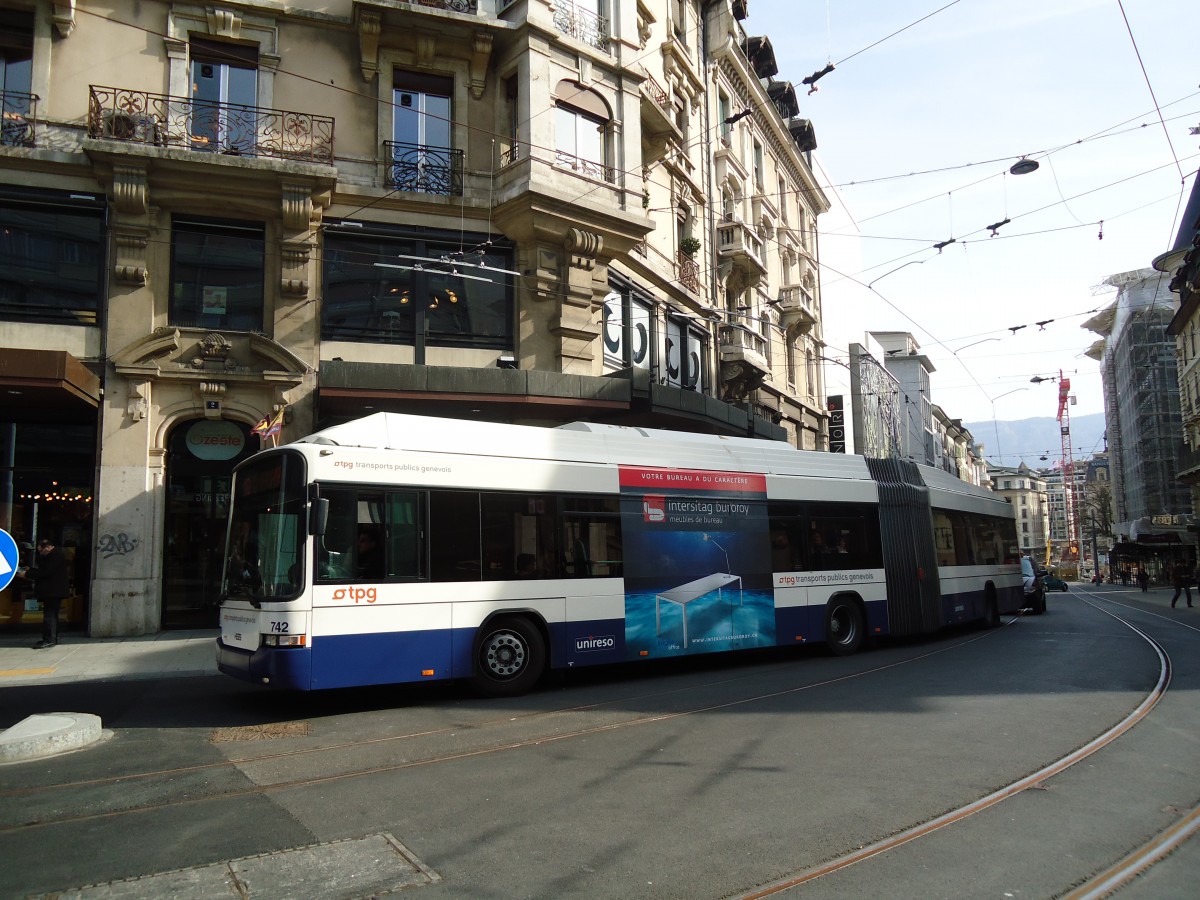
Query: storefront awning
pixel 45 384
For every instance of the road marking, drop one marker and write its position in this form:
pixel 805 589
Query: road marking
pixel 17 673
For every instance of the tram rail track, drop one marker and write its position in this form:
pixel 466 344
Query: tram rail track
pixel 1133 865
pixel 1102 883
pixel 235 763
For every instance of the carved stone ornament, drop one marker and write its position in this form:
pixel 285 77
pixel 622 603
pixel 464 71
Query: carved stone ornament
pixel 481 52
pixel 583 247
pixel 138 400
pixel 130 190
pixel 370 23
pixel 215 346
pixel 63 16
pixel 225 23
pixel 297 206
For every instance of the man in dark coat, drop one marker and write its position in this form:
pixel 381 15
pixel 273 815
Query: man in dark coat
pixel 51 585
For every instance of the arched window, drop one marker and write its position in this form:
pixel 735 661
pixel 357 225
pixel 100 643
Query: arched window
pixel 581 126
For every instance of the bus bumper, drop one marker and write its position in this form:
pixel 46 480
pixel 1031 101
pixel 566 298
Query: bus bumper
pixel 289 667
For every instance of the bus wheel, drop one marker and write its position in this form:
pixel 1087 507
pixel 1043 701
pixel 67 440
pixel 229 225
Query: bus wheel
pixel 991 613
pixel 509 658
pixel 843 627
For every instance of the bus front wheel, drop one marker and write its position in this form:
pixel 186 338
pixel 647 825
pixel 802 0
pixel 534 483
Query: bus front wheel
pixel 509 657
pixel 844 627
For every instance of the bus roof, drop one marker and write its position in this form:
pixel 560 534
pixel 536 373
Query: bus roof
pixel 603 444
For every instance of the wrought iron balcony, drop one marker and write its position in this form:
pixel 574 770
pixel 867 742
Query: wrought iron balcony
pixel 19 116
pixel 583 25
pixel 131 116
pixel 459 6
pixel 689 272
pixel 423 169
pixel 586 167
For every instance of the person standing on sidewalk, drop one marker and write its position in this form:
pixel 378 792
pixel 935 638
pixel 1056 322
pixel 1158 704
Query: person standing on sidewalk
pixel 1143 578
pixel 51 585
pixel 1181 576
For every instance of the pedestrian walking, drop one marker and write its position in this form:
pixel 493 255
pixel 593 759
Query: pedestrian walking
pixel 1143 578
pixel 1181 576
pixel 51 585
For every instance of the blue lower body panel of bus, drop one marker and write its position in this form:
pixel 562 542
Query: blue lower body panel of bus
pixel 283 668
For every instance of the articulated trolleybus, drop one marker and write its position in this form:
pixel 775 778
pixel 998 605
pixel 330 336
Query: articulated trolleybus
pixel 403 548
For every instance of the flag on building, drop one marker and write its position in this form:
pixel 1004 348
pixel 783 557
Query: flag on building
pixel 276 424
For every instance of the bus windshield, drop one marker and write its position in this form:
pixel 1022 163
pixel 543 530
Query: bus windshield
pixel 264 547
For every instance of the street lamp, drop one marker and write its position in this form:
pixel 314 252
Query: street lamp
pixel 996 427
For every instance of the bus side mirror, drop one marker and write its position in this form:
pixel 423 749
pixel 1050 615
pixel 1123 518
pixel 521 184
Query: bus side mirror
pixel 318 515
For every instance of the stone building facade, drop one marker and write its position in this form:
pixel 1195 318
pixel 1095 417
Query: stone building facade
pixel 213 216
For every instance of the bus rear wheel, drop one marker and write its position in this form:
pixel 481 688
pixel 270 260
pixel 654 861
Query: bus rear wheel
pixel 843 627
pixel 509 657
pixel 991 612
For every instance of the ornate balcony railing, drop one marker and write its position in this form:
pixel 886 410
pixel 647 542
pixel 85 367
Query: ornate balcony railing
pixel 656 92
pixel 460 6
pixel 586 167
pixel 19 116
pixel 423 169
pixel 514 153
pixel 233 129
pixel 689 272
pixel 582 24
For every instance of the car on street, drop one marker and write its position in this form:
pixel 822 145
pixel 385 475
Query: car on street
pixel 1053 583
pixel 1032 579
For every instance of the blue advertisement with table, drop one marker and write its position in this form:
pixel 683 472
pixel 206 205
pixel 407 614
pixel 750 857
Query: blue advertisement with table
pixel 697 562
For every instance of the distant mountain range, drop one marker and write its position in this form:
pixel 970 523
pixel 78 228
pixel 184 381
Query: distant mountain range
pixel 1028 440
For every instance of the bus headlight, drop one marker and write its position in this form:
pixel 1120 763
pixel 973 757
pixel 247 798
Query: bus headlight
pixel 285 640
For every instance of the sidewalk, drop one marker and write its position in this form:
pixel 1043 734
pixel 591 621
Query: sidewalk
pixel 81 658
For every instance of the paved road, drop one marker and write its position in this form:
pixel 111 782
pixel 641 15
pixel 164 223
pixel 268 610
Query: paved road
pixel 690 780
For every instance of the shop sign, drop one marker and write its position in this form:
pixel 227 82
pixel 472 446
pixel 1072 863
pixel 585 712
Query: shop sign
pixel 215 440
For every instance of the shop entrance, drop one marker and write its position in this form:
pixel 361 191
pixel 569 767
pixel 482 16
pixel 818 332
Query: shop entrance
pixel 201 455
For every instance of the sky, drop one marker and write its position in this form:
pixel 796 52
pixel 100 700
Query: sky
pixel 915 137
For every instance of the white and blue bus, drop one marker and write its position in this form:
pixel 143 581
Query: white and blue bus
pixel 400 548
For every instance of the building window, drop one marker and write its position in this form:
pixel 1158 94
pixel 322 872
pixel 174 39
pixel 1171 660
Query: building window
pixel 417 306
pixel 51 257
pixel 628 330
pixel 217 275
pixel 16 74
pixel 421 157
pixel 224 94
pixel 580 131
pixel 758 166
pixel 686 355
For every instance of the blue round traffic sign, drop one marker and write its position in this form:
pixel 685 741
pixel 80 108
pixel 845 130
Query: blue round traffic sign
pixel 10 558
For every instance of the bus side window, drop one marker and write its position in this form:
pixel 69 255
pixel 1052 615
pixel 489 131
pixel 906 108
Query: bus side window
pixel 403 516
pixel 591 537
pixel 335 548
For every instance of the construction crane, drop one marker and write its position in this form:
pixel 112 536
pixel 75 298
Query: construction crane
pixel 1071 553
